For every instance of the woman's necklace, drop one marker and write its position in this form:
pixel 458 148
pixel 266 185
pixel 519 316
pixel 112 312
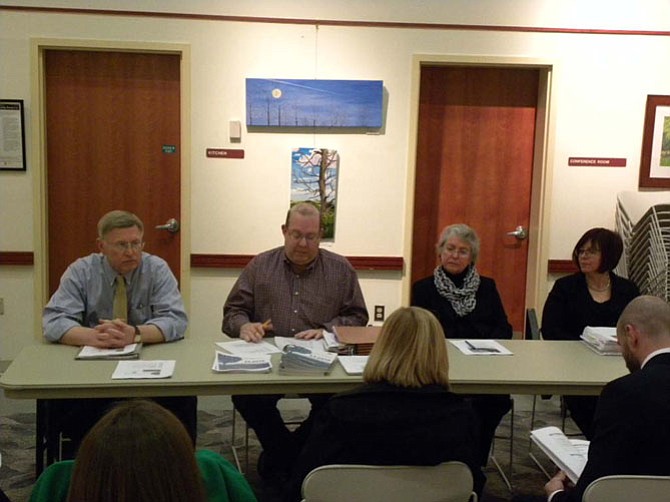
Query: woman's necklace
pixel 601 289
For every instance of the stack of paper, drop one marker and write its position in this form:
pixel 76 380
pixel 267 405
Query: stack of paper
pixel 569 455
pixel 332 344
pixel 227 363
pixel 130 351
pixel 601 340
pixel 296 360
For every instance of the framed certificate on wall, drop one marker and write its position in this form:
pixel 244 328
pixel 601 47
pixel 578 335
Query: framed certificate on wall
pixel 12 135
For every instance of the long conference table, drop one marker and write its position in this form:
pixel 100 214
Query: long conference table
pixel 50 371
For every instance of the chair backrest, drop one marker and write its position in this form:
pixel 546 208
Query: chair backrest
pixel 532 326
pixel 446 482
pixel 624 488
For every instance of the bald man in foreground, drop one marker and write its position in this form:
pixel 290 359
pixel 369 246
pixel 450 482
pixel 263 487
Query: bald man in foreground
pixel 632 420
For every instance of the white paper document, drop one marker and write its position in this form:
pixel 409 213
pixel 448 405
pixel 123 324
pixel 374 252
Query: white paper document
pixel 481 347
pixel 127 370
pixel 242 348
pixel 568 455
pixel 353 365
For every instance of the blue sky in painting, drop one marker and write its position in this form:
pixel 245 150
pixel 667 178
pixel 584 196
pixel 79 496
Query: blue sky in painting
pixel 305 174
pixel 314 103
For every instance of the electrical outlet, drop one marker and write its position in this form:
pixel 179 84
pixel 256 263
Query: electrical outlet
pixel 379 312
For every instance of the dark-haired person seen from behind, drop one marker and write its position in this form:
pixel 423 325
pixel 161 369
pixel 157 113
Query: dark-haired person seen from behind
pixel 140 452
pixel 594 296
pixel 631 428
pixel 295 290
pixel 110 299
pixel 403 414
pixel 468 306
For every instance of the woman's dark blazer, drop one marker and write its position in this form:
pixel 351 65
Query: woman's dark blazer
pixel 570 308
pixel 487 320
pixel 382 424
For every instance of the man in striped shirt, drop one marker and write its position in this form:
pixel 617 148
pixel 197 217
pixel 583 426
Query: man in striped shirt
pixel 296 290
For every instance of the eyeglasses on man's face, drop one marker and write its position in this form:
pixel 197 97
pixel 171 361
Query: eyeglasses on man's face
pixel 297 236
pixel 122 246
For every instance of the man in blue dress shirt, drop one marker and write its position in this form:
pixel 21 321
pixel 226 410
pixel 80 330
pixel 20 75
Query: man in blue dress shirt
pixel 110 299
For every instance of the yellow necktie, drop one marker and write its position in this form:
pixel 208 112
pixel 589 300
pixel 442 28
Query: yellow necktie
pixel 120 299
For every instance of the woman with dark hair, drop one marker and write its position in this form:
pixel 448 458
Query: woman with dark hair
pixel 141 452
pixel 403 414
pixel 467 305
pixel 594 296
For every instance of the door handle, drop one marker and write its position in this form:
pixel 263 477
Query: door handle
pixel 520 233
pixel 171 226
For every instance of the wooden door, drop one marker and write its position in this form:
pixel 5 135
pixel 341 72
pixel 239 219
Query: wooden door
pixel 474 165
pixel 113 132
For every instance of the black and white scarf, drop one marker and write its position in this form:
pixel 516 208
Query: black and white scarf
pixel 462 299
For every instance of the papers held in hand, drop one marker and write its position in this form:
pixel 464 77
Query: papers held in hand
pixel 296 360
pixel 130 351
pixel 228 363
pixel 481 347
pixel 570 455
pixel 601 340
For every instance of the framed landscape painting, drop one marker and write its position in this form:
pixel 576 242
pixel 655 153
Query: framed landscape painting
pixel 282 103
pixel 655 158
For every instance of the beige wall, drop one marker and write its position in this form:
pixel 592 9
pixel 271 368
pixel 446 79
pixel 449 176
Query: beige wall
pixel 600 84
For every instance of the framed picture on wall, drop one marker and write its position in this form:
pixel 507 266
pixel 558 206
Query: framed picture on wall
pixel 12 135
pixel 314 104
pixel 655 159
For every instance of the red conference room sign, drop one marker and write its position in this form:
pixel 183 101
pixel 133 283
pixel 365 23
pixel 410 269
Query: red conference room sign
pixel 597 161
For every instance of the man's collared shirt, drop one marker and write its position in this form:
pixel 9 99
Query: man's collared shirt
pixel 653 354
pixel 86 295
pixel 327 293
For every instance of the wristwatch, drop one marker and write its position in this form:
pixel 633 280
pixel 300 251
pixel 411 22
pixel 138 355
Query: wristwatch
pixel 138 335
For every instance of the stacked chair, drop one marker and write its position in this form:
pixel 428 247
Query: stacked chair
pixel 644 225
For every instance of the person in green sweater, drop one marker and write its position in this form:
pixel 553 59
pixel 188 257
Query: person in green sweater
pixel 140 451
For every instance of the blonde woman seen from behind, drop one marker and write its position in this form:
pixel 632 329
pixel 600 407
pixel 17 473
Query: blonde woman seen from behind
pixel 403 414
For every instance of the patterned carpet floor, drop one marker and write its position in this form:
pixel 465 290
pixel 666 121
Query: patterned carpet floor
pixel 17 437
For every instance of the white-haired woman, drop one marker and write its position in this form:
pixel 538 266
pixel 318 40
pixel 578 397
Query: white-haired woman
pixel 467 305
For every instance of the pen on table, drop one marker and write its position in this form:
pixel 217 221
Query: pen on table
pixel 470 346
